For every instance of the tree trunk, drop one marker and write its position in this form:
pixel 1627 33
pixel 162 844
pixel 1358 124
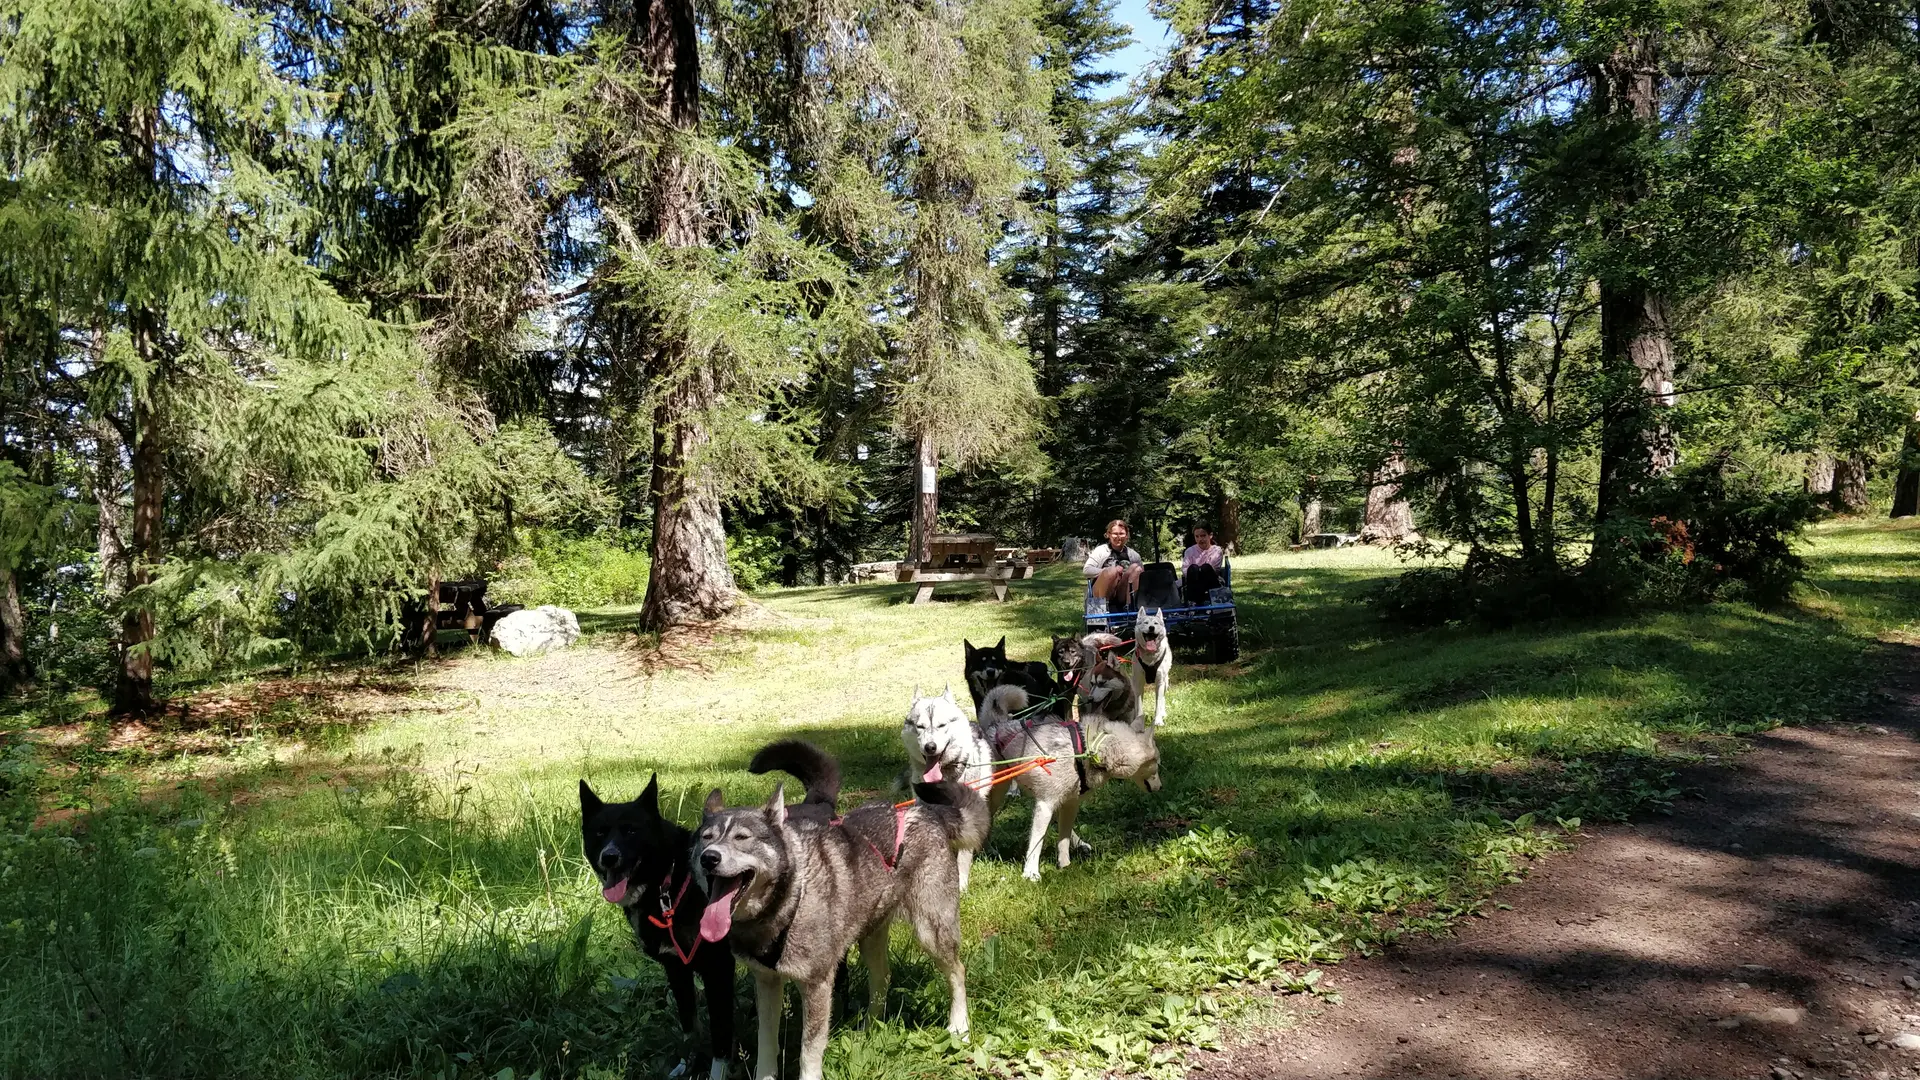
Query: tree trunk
pixel 133 691
pixel 1226 525
pixel 430 619
pixel 926 498
pixel 1636 345
pixel 110 540
pixel 13 634
pixel 1850 485
pixel 1310 512
pixel 1388 518
pixel 1819 478
pixel 689 580
pixel 1906 482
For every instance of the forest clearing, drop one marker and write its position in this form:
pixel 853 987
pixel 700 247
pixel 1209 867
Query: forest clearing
pixel 600 538
pixel 377 870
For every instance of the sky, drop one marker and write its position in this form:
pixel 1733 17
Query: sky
pixel 1149 38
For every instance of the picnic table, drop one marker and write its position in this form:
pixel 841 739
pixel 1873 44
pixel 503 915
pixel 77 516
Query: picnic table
pixel 963 557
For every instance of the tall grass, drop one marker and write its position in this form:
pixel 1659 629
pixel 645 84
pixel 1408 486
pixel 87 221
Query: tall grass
pixel 414 904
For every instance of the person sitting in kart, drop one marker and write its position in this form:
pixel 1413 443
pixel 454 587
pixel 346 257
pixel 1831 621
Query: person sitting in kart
pixel 1115 570
pixel 1200 566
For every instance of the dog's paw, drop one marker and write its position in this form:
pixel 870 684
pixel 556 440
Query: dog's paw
pixel 1081 847
pixel 1032 874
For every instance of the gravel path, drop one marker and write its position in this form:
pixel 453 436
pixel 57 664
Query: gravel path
pixel 1769 928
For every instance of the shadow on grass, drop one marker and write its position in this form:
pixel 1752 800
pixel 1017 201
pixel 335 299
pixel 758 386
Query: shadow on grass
pixel 1349 781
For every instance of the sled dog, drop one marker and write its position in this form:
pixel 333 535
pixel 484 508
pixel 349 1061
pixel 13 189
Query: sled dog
pixel 1153 657
pixel 792 892
pixel 645 866
pixel 1087 754
pixel 942 742
pixel 987 667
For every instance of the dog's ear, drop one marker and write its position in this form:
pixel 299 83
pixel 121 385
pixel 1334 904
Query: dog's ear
pixel 949 694
pixel 968 645
pixel 916 696
pixel 589 802
pixel 1003 643
pixel 649 799
pixel 777 805
pixel 715 802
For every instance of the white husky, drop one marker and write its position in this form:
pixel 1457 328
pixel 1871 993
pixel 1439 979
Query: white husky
pixel 938 733
pixel 1153 657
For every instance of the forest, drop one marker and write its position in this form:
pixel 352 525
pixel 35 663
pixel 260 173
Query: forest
pixel 309 305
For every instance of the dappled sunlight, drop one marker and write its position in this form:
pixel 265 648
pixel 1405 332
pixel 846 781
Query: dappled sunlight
pixel 1344 783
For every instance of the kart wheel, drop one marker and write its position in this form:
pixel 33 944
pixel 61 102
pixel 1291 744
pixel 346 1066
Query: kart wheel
pixel 1226 644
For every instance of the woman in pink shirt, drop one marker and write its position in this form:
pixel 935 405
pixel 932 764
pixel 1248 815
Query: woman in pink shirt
pixel 1201 565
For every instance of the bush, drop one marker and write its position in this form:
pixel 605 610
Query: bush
pixel 1726 532
pixel 574 572
pixel 1701 534
pixel 1495 589
pixel 754 556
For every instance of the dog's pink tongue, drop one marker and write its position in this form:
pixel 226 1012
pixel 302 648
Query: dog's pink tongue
pixel 615 892
pixel 933 774
pixel 718 918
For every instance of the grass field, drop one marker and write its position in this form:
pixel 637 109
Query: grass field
pixel 375 871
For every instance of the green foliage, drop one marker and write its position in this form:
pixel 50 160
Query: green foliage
pixel 603 570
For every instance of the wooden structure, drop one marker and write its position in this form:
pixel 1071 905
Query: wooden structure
pixel 965 557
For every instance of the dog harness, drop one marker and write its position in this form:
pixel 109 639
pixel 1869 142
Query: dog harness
pixel 664 920
pixel 1005 737
pixel 899 836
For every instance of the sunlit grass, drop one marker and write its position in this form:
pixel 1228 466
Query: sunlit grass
pixel 408 899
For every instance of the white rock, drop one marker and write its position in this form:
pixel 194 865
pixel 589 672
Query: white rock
pixel 536 630
pixel 1906 1040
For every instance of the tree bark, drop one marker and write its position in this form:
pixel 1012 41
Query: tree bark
pixel 13 634
pixel 1819 478
pixel 110 540
pixel 1850 485
pixel 1636 344
pixel 689 580
pixel 133 690
pixel 1388 518
pixel 1906 482
pixel 1310 509
pixel 1226 525
pixel 926 498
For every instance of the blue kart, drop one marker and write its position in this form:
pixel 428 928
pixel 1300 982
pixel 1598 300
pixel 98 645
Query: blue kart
pixel 1212 626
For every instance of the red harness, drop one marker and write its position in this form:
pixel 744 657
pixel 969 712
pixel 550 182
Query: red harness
pixel 664 920
pixel 899 835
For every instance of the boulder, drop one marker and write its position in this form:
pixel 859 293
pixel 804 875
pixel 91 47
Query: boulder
pixel 536 630
pixel 1073 549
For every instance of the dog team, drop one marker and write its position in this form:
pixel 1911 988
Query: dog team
pixel 789 889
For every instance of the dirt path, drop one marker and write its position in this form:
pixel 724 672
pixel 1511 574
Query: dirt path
pixel 1768 928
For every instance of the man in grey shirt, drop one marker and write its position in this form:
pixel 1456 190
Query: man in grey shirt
pixel 1115 570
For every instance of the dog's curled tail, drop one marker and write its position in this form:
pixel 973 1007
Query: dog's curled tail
pixel 816 769
pixel 999 706
pixel 961 807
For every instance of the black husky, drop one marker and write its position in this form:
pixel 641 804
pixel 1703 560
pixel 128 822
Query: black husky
pixel 988 667
pixel 644 864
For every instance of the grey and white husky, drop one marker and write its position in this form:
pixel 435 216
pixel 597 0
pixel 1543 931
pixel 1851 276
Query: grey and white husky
pixel 1112 683
pixel 1153 657
pixel 794 892
pixel 942 742
pixel 1113 749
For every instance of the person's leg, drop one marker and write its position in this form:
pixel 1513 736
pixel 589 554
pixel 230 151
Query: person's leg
pixel 1130 585
pixel 1200 580
pixel 1103 585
